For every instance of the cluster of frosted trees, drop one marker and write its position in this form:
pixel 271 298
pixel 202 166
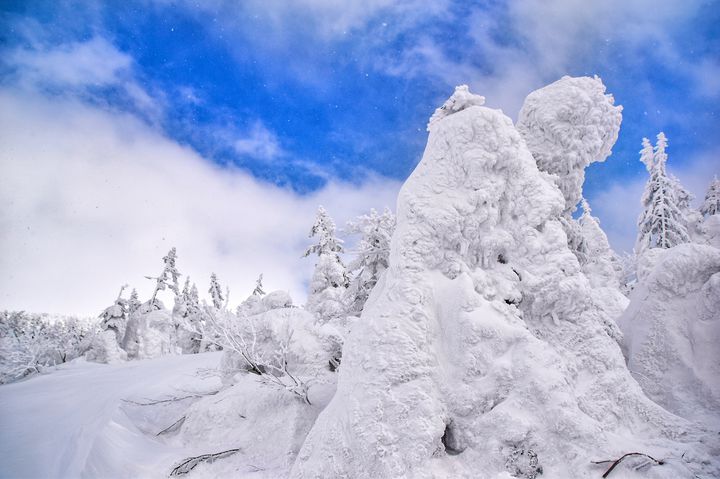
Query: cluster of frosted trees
pixel 131 329
pixel 30 343
pixel 667 218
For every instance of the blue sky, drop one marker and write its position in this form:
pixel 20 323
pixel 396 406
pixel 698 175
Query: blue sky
pixel 310 97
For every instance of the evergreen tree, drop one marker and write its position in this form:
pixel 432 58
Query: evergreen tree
pixel 373 254
pixel 193 301
pixel 259 291
pixel 330 278
pixel 167 279
pixel 133 302
pixel 216 292
pixel 711 205
pixel 662 224
pixel 115 317
pixel 647 154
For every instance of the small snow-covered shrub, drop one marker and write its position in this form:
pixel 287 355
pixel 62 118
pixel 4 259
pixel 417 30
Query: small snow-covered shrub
pixel 283 347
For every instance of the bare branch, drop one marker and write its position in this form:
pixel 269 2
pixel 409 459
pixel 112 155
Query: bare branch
pixel 187 465
pixel 618 461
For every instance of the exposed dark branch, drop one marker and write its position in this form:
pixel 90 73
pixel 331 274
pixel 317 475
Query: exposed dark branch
pixel 173 427
pixel 618 461
pixel 153 402
pixel 187 465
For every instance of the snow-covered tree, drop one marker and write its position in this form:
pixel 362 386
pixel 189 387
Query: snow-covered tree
pixel 133 302
pixel 662 223
pixel 259 291
pixel 711 205
pixel 647 154
pixel 372 255
pixel 187 316
pixel 218 299
pixel 114 317
pixel 168 279
pixel 329 279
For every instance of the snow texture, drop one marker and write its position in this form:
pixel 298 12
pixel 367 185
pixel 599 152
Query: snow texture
pixel 672 331
pixel 480 353
pixel 568 125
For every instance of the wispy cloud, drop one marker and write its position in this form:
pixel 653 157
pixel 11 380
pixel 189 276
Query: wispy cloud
pixel 259 143
pixel 86 68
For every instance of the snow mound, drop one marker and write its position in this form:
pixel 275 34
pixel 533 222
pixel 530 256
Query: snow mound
pixel 267 425
pixel 568 125
pixel 460 100
pixel 672 331
pixel 481 348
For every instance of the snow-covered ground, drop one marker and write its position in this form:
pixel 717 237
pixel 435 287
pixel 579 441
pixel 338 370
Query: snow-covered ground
pixel 74 422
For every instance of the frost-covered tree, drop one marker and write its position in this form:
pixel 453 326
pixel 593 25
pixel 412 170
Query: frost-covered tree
pixel 372 255
pixel 218 299
pixel 187 316
pixel 329 279
pixel 114 317
pixel 259 291
pixel 168 279
pixel 711 205
pixel 662 223
pixel 647 154
pixel 133 302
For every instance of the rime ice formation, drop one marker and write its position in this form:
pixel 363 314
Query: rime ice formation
pixel 672 331
pixel 568 125
pixel 479 353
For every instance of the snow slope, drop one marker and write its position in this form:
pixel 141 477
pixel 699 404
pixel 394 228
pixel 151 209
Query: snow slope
pixel 72 422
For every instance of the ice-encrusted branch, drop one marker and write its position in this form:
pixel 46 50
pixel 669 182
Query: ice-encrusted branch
pixel 273 371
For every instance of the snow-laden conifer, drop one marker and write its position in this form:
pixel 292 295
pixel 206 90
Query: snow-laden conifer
pixel 711 204
pixel 133 302
pixel 662 223
pixel 329 279
pixel 371 257
pixel 168 279
pixel 259 291
pixel 114 317
pixel 216 294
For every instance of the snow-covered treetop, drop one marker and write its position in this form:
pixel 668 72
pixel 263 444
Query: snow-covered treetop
pixel 169 273
pixel 324 230
pixel 568 125
pixel 647 154
pixel 711 205
pixel 460 100
pixel 663 221
pixel 216 292
pixel 259 291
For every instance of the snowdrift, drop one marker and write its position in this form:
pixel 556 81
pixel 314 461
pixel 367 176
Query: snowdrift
pixel 672 331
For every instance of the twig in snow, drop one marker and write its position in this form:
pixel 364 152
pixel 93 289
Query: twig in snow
pixel 173 427
pixel 187 465
pixel 618 461
pixel 153 402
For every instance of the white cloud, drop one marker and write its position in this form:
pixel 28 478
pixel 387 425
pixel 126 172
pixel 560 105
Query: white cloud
pixel 95 200
pixel 76 67
pixel 259 143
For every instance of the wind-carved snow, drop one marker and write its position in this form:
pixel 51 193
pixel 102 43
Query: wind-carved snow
pixel 672 331
pixel 568 125
pixel 480 353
